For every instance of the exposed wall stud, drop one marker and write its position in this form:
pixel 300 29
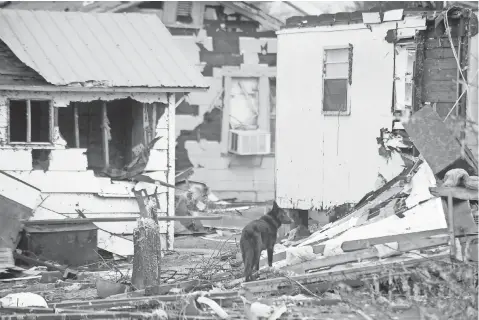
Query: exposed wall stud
pixel 104 135
pixel 75 125
pixel 29 121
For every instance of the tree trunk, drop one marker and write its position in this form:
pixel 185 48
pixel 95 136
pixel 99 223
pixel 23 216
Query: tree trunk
pixel 147 254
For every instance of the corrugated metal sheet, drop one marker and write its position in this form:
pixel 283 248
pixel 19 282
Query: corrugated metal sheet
pixel 103 49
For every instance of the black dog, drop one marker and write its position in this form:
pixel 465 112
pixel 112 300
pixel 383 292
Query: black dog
pixel 259 235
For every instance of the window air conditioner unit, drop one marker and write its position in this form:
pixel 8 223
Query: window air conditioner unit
pixel 249 142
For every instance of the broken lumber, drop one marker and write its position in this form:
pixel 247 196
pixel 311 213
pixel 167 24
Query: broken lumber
pixel 457 192
pixel 339 273
pixel 165 288
pixel 317 249
pixel 164 298
pixel 147 254
pixel 115 219
pixel 365 254
pixel 79 316
pixel 353 245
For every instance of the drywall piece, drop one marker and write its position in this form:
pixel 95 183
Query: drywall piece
pixel 15 159
pixel 433 139
pixel 158 160
pixel 371 17
pixel 271 44
pixel 73 159
pixel 393 15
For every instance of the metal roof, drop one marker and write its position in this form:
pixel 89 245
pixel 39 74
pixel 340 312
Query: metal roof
pixel 98 49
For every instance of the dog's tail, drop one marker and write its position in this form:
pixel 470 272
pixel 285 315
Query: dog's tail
pixel 250 255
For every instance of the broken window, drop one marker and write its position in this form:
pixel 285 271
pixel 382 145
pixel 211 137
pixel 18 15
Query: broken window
pixel 244 103
pixel 184 11
pixel 30 121
pixel 403 75
pixel 337 71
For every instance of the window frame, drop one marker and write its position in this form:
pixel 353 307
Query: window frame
pixel 263 74
pixel 347 112
pixel 51 112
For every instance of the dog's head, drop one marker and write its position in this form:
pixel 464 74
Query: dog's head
pixel 281 214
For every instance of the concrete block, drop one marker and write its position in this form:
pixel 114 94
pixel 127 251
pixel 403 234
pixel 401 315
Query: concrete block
pixel 73 159
pixel 15 159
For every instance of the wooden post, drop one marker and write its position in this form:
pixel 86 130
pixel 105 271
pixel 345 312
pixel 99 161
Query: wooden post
pixel 147 254
pixel 450 216
pixel 29 121
pixel 75 125
pixel 171 166
pixel 104 136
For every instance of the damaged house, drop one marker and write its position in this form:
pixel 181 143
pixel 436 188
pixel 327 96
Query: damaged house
pixel 343 96
pixel 226 133
pixel 87 104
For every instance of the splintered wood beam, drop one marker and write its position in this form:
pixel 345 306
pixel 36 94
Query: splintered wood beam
pixel 104 135
pixel 115 219
pixel 456 192
pixel 76 128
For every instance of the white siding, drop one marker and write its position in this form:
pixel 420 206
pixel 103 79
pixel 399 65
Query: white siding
pixel 327 160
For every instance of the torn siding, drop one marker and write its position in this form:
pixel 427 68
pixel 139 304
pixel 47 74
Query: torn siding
pixel 199 117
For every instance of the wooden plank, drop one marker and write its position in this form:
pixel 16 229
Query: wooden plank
pixel 361 244
pixel 119 219
pixel 450 220
pixel 104 136
pixel 433 139
pixel 170 112
pixel 76 128
pixel 457 192
pixel 317 249
pixel 29 121
pixel 338 273
pixel 365 254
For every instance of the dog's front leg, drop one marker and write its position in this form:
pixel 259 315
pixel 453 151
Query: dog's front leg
pixel 270 257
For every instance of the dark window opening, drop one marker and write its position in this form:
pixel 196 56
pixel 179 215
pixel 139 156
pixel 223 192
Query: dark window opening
pixel 335 95
pixel 184 12
pixel 158 5
pixel 29 121
pixel 40 159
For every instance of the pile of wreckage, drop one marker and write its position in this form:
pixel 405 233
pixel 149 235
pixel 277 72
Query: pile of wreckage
pixel 409 247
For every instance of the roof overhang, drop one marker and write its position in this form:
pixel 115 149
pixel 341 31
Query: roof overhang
pixel 99 89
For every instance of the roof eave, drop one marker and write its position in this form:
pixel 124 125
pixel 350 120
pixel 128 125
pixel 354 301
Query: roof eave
pixel 53 88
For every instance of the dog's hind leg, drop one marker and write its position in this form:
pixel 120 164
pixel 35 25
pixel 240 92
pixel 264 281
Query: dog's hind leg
pixel 270 257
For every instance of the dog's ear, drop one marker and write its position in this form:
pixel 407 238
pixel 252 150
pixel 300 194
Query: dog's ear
pixel 275 206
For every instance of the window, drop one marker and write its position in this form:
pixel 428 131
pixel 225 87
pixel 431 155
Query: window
pixel 156 5
pixel 337 75
pixel 403 76
pixel 30 121
pixel 249 111
pixel 184 12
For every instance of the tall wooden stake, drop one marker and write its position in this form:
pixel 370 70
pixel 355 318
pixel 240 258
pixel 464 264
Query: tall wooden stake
pixel 76 128
pixel 104 136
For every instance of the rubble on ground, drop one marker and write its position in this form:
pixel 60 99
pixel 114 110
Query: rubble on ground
pixel 405 249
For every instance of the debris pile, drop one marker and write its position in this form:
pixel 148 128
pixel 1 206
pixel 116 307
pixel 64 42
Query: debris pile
pixel 408 248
